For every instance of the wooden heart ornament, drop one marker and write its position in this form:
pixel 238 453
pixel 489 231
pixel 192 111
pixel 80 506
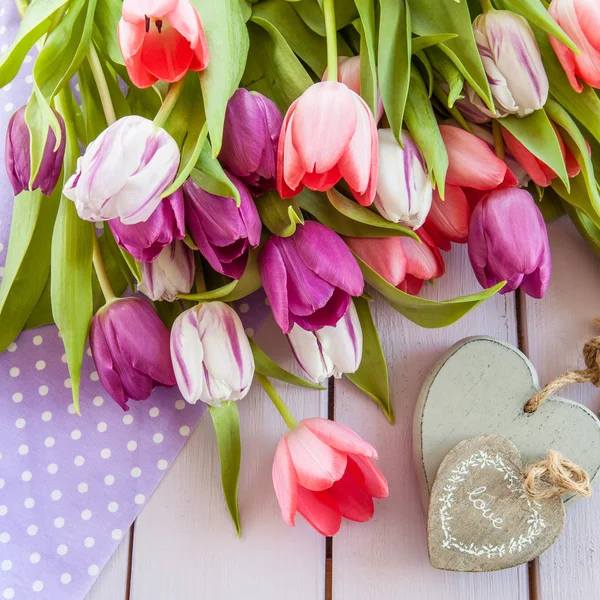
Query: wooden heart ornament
pixel 480 518
pixel 480 387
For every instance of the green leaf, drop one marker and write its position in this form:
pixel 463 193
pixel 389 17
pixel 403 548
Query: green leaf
pixel 394 61
pixel 279 216
pixel 578 197
pixel 228 43
pixel 91 107
pixel 42 313
pixel 273 69
pixel 27 262
pixel 108 14
pixel 359 213
pixel 210 176
pixel 269 368
pixel 317 205
pixel 312 14
pixel 368 45
pixel 421 122
pixel 114 259
pixel 226 422
pixel 426 313
pixel 372 374
pixel 536 133
pixel 422 57
pixel 423 42
pixel 550 204
pixel 275 16
pixel 432 17
pixel 586 227
pixel 36 21
pixel 71 276
pixel 448 72
pixel 535 12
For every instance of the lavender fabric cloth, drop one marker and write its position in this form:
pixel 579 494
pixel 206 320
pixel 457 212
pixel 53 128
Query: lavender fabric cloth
pixel 71 486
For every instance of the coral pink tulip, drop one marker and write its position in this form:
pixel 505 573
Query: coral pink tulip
pixel 328 134
pixel 472 163
pixel 325 471
pixel 448 219
pixel 161 39
pixel 540 173
pixel 580 19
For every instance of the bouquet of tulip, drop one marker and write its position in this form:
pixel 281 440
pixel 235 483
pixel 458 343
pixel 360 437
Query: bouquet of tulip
pixel 308 148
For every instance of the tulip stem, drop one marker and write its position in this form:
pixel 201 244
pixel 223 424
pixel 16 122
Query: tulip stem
pixel 498 139
pixel 22 6
pixel 103 280
pixel 169 103
pixel 279 404
pixel 102 85
pixel 486 5
pixel 331 32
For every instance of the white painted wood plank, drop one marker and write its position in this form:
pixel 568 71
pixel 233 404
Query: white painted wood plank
pixel 112 582
pixel 387 557
pixel 185 545
pixel 555 330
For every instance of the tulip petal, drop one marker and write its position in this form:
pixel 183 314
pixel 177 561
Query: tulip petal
pixel 330 314
pixel 321 182
pixel 274 279
pixel 384 255
pixel 423 260
pixel 131 37
pixel 185 20
pixel 534 167
pixel 339 436
pixel 588 17
pixel 320 510
pixel 289 168
pixel 137 10
pixel 353 502
pixel 166 55
pixel 449 218
pixel 317 465
pixel 307 351
pixel 284 482
pixel 367 475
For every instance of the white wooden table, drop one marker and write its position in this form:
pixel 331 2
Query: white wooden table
pixel 184 547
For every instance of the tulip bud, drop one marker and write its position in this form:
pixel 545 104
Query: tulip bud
pixel 124 172
pixel 404 189
pixel 170 274
pixel 222 231
pixel 508 242
pixel 17 156
pixel 130 347
pixel 250 139
pixel 580 20
pixel 331 350
pixel 211 354
pixel 309 277
pixel 145 241
pixel 448 219
pixel 513 63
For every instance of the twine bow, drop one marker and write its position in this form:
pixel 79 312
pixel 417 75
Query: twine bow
pixel 555 476
pixel 591 355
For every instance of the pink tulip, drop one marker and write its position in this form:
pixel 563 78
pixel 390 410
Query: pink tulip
pixel 423 263
pixel 472 163
pixel 161 39
pixel 448 219
pixel 580 20
pixel 540 173
pixel 328 134
pixel 349 74
pixel 325 471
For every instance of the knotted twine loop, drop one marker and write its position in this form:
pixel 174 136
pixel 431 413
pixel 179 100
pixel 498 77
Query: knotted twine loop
pixel 591 355
pixel 556 476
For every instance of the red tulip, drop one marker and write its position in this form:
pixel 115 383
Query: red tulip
pixel 329 133
pixel 472 163
pixel 580 19
pixel 161 39
pixel 448 219
pixel 540 173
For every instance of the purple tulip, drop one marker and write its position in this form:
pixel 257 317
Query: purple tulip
pixel 250 139
pixel 145 241
pixel 508 242
pixel 309 277
pixel 18 160
pixel 130 346
pixel 222 231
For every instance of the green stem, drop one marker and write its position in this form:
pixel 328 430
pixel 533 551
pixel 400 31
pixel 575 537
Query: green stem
pixel 486 5
pixel 102 85
pixel 169 103
pixel 22 6
pixel 454 112
pixel 103 280
pixel 331 33
pixel 279 404
pixel 498 139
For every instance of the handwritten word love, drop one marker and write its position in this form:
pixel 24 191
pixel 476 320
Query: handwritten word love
pixel 480 504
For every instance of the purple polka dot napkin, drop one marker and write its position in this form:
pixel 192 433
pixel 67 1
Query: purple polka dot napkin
pixel 71 486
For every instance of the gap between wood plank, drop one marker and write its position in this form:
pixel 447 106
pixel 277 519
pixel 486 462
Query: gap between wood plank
pixel 130 561
pixel 329 540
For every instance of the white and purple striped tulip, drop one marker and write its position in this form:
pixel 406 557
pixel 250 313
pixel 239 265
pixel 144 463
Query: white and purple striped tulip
pixel 331 351
pixel 170 274
pixel 124 172
pixel 211 354
pixel 17 157
pixel 250 139
pixel 512 62
pixel 404 189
